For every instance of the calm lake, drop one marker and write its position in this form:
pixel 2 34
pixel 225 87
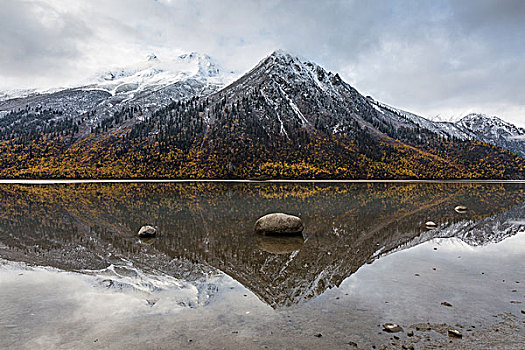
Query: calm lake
pixel 75 275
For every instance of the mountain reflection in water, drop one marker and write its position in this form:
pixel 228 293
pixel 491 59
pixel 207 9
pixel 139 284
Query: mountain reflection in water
pixel 208 226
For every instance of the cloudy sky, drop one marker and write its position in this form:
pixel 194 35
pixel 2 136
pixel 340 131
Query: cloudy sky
pixel 435 58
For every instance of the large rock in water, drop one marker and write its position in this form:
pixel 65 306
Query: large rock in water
pixel 279 223
pixel 147 231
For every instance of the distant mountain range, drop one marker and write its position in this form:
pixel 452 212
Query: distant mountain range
pixel 285 118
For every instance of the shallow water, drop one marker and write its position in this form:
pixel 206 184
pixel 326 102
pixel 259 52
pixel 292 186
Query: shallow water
pixel 74 274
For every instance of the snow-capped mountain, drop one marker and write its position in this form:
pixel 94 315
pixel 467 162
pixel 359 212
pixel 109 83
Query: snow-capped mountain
pixel 151 84
pixel 489 129
pixel 286 108
pixel 297 93
pixel 154 82
pixel 493 130
pixel 154 74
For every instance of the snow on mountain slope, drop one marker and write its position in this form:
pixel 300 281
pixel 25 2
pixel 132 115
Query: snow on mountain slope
pixel 446 129
pixel 291 94
pixel 490 127
pixel 150 75
pixel 150 84
pixel 495 131
pixel 155 73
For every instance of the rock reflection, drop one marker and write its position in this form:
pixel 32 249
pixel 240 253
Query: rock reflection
pixel 147 240
pixel 209 226
pixel 279 244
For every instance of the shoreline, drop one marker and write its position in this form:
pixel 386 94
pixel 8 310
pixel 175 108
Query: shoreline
pixel 75 181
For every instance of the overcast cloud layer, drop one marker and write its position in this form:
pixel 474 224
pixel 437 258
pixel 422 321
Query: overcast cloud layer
pixel 435 57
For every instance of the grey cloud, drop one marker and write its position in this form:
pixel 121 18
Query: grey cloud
pixel 37 40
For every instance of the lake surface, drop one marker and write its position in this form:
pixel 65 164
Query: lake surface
pixel 74 274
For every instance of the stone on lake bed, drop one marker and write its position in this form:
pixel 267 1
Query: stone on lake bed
pixel 461 209
pixel 454 333
pixel 279 223
pixel 147 231
pixel 392 328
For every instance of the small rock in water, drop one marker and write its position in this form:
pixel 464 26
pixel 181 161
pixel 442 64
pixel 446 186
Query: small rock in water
pixel 352 343
pixel 318 335
pixel 430 225
pixel 523 312
pixel 108 283
pixel 454 333
pixel 392 328
pixel 410 333
pixel 147 231
pixel 461 209
pixel 515 302
pixel 279 223
pixel 446 304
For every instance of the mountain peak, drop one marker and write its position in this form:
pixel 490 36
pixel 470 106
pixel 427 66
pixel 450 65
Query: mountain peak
pixel 195 56
pixel 285 57
pixel 479 116
pixel 479 120
pixel 282 53
pixel 152 57
pixel 492 129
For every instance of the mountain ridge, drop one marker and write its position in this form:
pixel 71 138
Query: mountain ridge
pixel 286 117
pixel 474 126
